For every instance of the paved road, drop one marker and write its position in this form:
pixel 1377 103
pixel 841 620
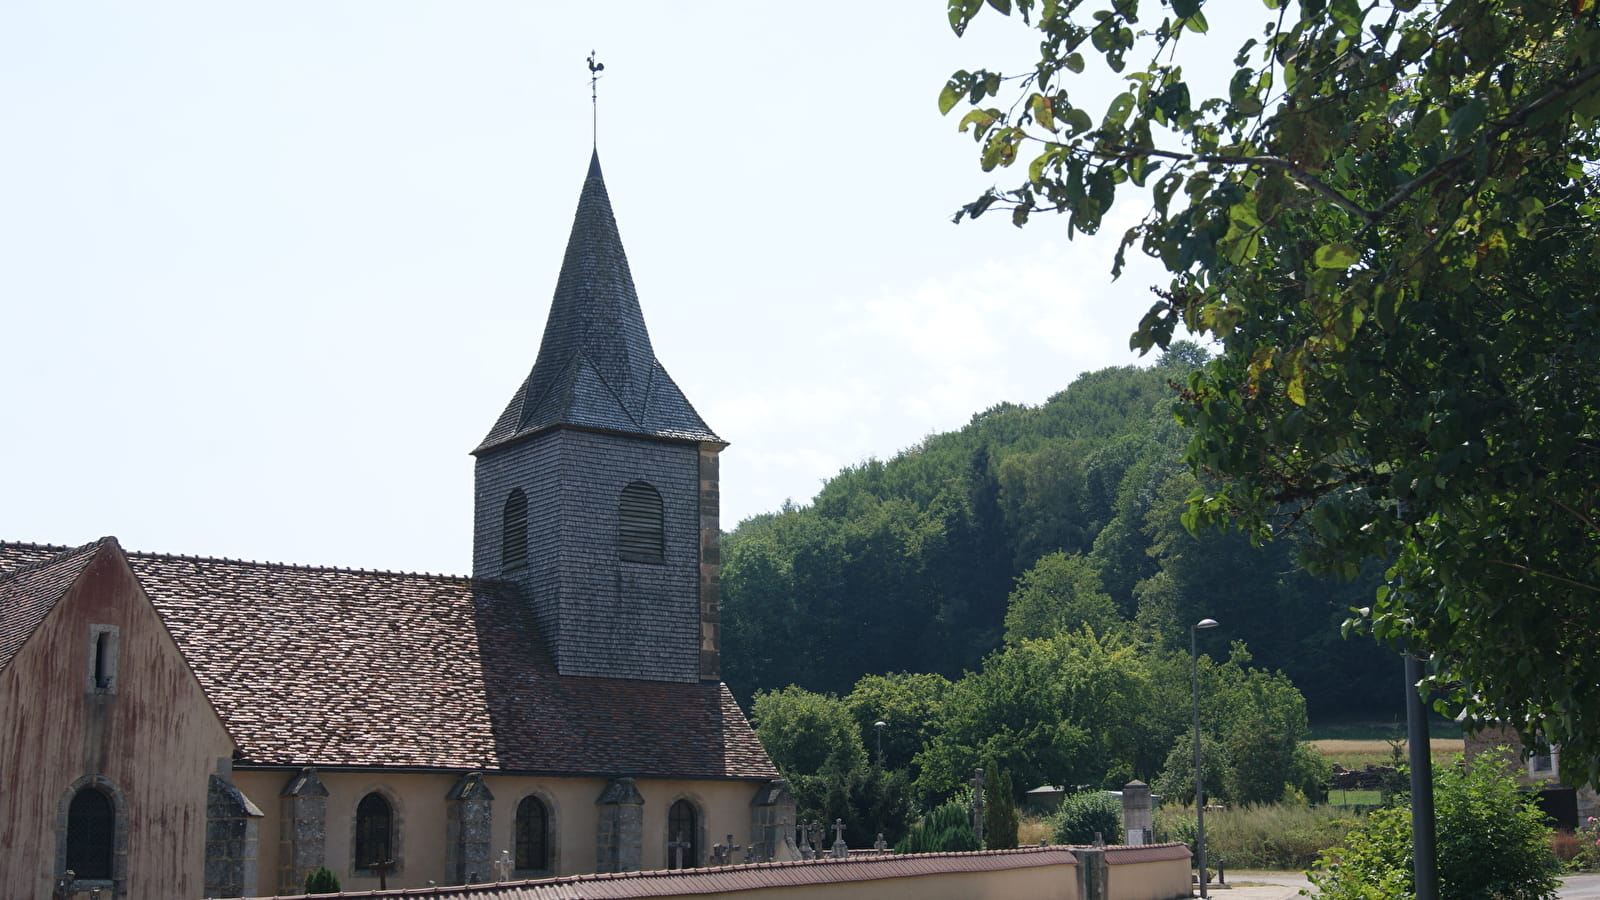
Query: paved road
pixel 1287 885
pixel 1581 887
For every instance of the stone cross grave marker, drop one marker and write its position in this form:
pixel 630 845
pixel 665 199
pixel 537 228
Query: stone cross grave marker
pixel 677 847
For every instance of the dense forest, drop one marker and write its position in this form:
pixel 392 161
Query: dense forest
pixel 1027 522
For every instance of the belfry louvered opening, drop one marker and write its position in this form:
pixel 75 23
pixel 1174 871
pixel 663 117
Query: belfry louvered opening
pixel 639 516
pixel 514 531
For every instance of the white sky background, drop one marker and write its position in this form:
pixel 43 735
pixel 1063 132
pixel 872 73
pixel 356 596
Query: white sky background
pixel 269 271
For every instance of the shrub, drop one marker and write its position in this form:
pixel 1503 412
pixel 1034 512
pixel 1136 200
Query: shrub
pixel 1584 852
pixel 947 829
pixel 1085 813
pixel 1492 842
pixel 322 881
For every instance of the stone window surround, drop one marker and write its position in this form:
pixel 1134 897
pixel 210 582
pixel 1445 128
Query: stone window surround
pixel 396 831
pixel 118 884
pixel 100 675
pixel 552 832
pixel 701 847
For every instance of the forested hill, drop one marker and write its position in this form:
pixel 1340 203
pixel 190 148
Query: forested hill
pixel 1069 511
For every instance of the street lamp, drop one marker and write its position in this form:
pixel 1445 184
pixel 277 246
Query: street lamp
pixel 1199 783
pixel 878 727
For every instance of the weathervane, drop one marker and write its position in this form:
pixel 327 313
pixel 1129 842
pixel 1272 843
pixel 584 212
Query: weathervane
pixel 595 68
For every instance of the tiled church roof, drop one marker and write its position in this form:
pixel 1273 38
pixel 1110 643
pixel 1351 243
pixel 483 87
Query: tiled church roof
pixel 30 590
pixel 596 368
pixel 336 667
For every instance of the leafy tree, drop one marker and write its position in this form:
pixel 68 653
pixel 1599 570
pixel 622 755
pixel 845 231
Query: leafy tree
pixel 1085 814
pixel 1060 593
pixel 806 733
pixel 1176 784
pixel 908 704
pixel 814 741
pixel 1061 710
pixel 1492 842
pixel 1389 223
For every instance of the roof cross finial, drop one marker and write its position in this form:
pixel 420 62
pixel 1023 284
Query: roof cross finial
pixel 595 68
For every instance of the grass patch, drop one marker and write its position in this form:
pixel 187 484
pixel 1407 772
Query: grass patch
pixel 1260 837
pixel 1337 797
pixel 1032 830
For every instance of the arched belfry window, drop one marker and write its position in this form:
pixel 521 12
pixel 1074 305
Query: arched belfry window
pixel 374 832
pixel 683 836
pixel 533 835
pixel 639 518
pixel 514 531
pixel 91 834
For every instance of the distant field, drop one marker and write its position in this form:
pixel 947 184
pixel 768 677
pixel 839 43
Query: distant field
pixel 1355 754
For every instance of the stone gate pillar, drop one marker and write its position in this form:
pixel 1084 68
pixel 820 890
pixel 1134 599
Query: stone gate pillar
pixel 469 812
pixel 1136 815
pixel 619 838
pixel 302 830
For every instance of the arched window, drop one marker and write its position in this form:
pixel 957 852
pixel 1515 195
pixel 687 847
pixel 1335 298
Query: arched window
pixel 91 834
pixel 683 836
pixel 374 832
pixel 639 532
pixel 533 835
pixel 514 531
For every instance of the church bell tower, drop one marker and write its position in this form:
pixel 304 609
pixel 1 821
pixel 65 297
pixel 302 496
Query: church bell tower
pixel 596 490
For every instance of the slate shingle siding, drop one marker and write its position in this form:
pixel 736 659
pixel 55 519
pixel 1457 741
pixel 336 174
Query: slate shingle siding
pixel 596 413
pixel 603 617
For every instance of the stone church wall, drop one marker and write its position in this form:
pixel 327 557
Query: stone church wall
pixel 150 740
pixel 421 805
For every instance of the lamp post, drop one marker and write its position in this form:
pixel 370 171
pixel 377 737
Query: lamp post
pixel 1199 782
pixel 878 727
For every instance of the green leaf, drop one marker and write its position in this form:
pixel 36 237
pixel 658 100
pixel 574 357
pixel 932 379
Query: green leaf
pixel 1117 114
pixel 1001 6
pixel 981 120
pixel 1340 255
pixel 961 13
pixel 1296 388
pixel 949 97
pixel 1043 113
pixel 1074 62
pixel 1465 121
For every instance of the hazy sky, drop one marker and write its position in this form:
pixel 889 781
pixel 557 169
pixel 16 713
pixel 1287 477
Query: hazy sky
pixel 269 271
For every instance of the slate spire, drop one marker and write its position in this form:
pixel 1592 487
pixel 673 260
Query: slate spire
pixel 596 368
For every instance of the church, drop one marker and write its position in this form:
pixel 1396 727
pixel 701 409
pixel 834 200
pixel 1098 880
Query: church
pixel 176 726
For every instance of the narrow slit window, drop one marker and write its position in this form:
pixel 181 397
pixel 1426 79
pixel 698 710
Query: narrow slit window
pixel 640 533
pixel 514 531
pixel 103 653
